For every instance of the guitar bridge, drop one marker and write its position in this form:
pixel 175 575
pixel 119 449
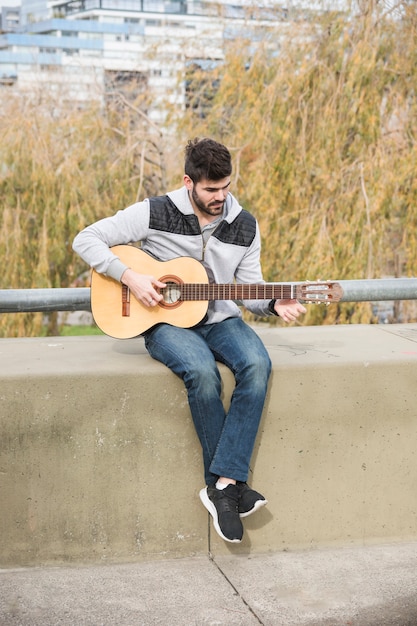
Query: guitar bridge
pixel 125 301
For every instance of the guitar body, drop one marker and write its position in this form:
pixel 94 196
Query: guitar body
pixel 109 311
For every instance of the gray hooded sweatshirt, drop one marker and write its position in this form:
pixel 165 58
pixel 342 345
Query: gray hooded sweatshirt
pixel 166 227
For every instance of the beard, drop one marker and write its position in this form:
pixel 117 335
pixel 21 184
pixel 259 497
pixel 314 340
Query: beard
pixel 212 208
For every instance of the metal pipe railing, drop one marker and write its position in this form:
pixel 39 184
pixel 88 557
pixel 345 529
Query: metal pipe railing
pixel 78 299
pixel 378 289
pixel 44 300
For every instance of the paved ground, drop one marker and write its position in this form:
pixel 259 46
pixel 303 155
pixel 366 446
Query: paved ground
pixel 354 586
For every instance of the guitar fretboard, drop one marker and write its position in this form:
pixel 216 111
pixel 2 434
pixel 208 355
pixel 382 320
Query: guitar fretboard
pixel 268 291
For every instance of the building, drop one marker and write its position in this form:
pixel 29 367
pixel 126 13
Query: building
pixel 34 11
pixel 9 18
pixel 89 48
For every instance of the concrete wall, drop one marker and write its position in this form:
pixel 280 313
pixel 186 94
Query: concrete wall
pixel 100 463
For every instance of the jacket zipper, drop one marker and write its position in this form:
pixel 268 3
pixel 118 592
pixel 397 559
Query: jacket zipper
pixel 208 239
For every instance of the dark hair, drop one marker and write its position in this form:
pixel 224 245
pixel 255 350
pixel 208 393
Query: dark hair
pixel 206 158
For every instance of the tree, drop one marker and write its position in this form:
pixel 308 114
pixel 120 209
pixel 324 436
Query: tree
pixel 323 135
pixel 59 173
pixel 321 121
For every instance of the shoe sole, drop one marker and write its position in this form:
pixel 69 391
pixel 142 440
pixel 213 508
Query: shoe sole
pixel 258 505
pixel 213 512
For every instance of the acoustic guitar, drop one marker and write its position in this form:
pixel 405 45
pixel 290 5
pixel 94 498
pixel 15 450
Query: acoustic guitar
pixel 186 296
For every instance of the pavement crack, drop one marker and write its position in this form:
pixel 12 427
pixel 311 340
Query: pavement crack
pixel 236 591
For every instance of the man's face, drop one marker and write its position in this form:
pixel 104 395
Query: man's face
pixel 208 196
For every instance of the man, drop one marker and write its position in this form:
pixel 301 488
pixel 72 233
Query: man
pixel 204 221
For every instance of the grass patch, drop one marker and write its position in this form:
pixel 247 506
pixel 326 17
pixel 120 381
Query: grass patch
pixel 77 331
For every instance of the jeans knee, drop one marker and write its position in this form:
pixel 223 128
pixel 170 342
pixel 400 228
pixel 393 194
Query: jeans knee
pixel 268 366
pixel 203 377
pixel 258 368
pixel 262 361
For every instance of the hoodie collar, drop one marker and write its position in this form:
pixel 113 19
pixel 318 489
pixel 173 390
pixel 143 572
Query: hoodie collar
pixel 182 201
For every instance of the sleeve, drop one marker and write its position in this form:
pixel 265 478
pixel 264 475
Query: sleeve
pixel 94 243
pixel 249 271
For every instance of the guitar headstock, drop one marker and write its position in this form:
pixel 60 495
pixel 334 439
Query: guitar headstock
pixel 319 292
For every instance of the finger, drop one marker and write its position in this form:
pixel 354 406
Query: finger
pixel 156 294
pixel 156 297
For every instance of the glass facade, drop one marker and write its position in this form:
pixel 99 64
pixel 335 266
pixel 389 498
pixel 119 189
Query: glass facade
pixel 33 11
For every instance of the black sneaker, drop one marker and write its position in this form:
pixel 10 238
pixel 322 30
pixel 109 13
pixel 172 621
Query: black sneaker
pixel 223 506
pixel 249 500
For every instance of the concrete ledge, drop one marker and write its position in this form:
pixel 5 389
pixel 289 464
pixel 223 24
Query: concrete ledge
pixel 99 459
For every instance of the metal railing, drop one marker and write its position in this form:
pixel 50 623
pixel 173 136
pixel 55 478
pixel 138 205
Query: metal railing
pixel 78 299
pixel 44 300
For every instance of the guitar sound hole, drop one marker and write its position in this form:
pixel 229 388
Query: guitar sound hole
pixel 171 293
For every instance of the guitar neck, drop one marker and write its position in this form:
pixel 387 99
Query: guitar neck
pixel 267 291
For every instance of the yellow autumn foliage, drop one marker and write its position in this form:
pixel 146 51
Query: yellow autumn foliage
pixel 324 137
pixel 322 128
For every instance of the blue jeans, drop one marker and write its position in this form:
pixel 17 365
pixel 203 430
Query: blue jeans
pixel 227 439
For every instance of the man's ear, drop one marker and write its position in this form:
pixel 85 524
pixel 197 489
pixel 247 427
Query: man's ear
pixel 188 182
